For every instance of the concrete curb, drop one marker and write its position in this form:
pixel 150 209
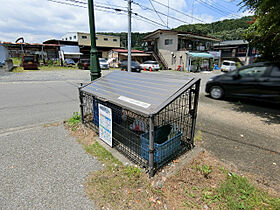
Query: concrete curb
pixel 185 160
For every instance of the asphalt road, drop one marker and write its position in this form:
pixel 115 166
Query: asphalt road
pixel 243 134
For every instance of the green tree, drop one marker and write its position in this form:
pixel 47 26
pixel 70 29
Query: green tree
pixel 264 33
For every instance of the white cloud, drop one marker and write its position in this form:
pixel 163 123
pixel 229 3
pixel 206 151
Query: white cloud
pixel 39 20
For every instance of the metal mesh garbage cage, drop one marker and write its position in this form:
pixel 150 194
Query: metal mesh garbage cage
pixel 150 118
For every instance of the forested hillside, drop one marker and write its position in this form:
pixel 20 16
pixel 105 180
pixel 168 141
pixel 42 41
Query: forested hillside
pixel 230 29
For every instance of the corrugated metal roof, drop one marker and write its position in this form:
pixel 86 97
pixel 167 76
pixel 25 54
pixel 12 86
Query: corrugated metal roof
pixel 144 93
pixel 136 54
pixel 125 51
pixel 200 55
pixel 231 42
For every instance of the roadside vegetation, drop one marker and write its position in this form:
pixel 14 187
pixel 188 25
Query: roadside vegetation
pixel 44 68
pixel 205 183
pixel 48 66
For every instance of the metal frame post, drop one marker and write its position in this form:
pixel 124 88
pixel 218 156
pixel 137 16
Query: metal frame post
pixel 129 38
pixel 81 103
pixel 194 111
pixel 95 71
pixel 151 147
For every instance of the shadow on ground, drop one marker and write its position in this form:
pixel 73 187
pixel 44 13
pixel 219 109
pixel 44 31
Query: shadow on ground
pixel 269 112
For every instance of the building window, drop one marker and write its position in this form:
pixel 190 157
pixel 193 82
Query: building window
pixel 62 39
pixel 115 40
pixel 66 39
pixel 70 38
pixel 75 37
pixel 242 51
pixel 168 41
pixel 84 37
pixel 105 39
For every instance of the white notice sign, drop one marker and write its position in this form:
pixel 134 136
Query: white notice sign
pixel 105 124
pixel 135 102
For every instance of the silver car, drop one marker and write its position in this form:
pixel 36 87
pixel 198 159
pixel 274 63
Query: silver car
pixel 150 64
pixel 103 63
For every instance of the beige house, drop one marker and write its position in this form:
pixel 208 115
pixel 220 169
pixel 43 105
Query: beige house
pixel 174 49
pixel 104 43
pixel 101 39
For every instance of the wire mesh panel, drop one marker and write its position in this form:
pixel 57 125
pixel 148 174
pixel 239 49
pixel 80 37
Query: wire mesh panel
pixel 176 124
pixel 150 140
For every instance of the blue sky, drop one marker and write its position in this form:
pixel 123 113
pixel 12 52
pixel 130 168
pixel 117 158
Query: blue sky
pixel 39 20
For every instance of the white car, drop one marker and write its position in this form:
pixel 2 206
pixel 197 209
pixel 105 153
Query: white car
pixel 228 66
pixel 150 64
pixel 103 63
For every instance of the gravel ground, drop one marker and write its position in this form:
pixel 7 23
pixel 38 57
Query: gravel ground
pixel 44 168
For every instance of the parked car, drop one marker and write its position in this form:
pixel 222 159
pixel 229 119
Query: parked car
pixel 103 63
pixel 256 81
pixel 30 62
pixel 150 64
pixel 69 62
pixel 135 67
pixel 228 66
pixel 84 64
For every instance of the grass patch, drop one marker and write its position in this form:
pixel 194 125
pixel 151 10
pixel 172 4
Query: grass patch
pixel 207 182
pixel 16 61
pixel 198 136
pixel 17 69
pixel 238 193
pixel 102 154
pixel 56 68
pixel 74 121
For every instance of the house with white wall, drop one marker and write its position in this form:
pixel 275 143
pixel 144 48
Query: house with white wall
pixel 175 49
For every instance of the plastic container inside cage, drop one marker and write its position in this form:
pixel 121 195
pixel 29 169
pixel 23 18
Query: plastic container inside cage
pixel 167 141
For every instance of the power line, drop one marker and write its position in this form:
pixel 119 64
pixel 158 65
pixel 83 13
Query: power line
pixel 59 2
pixel 147 8
pixel 157 12
pixel 115 11
pixel 223 7
pixel 178 11
pixel 122 10
pixel 216 8
pixel 152 21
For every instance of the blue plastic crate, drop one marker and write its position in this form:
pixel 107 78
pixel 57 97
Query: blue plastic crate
pixel 162 151
pixel 116 112
pixel 95 112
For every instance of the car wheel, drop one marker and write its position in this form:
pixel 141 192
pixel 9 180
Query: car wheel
pixel 216 92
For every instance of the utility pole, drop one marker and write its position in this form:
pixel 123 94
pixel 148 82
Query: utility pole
pixel 95 71
pixel 129 38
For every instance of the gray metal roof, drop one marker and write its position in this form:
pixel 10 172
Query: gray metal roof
pixel 231 42
pixel 143 93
